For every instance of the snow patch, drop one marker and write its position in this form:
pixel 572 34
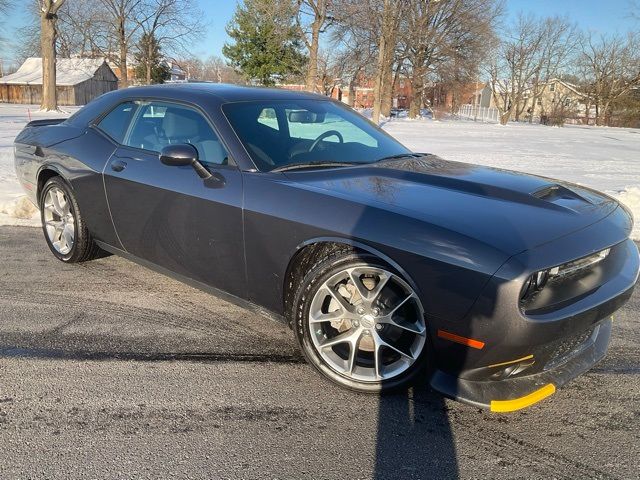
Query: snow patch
pixel 19 211
pixel 20 208
pixel 607 159
pixel 630 197
pixel 15 208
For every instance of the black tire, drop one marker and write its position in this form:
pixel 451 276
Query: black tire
pixel 322 270
pixel 84 248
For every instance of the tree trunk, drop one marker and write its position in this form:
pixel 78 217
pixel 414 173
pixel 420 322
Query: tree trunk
pixel 587 113
pixel 414 106
pixel 417 89
pixel 379 81
pixel 534 102
pixel 606 114
pixel 387 93
pixel 312 69
pixel 148 61
pixel 122 39
pixel 48 48
pixel 384 65
pixel 352 89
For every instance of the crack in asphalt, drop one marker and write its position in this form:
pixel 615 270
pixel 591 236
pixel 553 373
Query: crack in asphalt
pixel 543 460
pixel 195 357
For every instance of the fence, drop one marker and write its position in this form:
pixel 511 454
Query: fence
pixel 480 114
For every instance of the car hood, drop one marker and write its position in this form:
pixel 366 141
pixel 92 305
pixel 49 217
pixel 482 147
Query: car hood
pixel 508 210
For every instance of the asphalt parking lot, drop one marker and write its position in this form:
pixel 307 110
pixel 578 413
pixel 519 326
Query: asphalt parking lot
pixel 108 370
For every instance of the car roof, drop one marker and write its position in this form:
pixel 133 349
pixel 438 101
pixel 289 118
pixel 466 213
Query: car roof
pixel 221 92
pixel 209 96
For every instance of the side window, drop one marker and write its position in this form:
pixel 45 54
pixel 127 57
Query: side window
pixel 159 124
pixel 268 118
pixel 117 121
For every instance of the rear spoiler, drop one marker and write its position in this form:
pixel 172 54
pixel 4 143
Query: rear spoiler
pixel 45 122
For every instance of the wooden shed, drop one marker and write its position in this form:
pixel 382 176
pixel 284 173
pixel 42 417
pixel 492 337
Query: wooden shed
pixel 78 81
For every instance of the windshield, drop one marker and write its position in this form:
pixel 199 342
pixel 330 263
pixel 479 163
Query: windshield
pixel 279 133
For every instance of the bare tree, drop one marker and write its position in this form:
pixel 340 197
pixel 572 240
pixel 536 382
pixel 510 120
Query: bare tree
pixel 362 27
pixel 123 18
pixel 331 70
pixel 515 66
pixel 48 20
pixel 212 69
pixel 557 49
pixel 611 67
pixel 83 30
pixel 446 35
pixel 217 70
pixel 318 11
pixel 392 11
pixel 354 39
pixel 173 23
pixel 4 8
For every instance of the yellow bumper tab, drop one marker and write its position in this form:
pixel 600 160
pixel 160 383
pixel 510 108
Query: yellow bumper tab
pixel 522 402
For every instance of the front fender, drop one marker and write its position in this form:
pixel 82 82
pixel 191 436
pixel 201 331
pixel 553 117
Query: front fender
pixel 447 270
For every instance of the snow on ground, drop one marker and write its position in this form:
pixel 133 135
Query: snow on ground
pixel 607 159
pixel 15 209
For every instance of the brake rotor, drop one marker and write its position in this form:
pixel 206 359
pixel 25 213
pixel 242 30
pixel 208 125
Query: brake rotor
pixel 351 294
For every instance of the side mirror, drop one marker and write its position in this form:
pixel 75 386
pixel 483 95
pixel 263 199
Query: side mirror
pixel 179 155
pixel 183 154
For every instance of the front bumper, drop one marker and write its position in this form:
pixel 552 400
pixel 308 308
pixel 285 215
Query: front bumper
pixel 516 393
pixel 519 356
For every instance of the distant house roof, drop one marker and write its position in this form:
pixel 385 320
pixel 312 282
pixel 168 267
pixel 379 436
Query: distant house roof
pixel 568 85
pixel 69 71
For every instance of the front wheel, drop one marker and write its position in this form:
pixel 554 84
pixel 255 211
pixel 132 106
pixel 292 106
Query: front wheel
pixel 360 323
pixel 64 228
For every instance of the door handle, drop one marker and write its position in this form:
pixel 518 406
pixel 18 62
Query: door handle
pixel 118 165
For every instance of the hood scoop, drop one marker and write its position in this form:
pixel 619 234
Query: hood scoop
pixel 562 196
pixel 553 193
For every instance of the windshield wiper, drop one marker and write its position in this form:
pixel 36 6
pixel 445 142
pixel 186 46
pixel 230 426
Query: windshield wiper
pixel 400 155
pixel 318 164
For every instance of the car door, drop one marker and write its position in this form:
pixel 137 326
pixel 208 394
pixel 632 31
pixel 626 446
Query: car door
pixel 170 216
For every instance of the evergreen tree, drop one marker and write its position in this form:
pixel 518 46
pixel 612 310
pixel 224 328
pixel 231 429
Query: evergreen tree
pixel 150 66
pixel 267 45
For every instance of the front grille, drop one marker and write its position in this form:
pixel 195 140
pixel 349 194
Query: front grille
pixel 570 347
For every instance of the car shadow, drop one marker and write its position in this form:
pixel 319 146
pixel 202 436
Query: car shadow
pixel 414 439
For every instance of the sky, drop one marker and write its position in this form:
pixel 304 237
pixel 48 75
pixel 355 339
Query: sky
pixel 609 16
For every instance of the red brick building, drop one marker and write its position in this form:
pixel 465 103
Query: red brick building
pixel 437 95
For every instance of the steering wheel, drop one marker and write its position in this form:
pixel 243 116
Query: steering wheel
pixel 328 133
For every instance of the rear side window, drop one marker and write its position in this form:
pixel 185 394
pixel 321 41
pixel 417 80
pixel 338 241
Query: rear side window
pixel 159 124
pixel 268 118
pixel 117 121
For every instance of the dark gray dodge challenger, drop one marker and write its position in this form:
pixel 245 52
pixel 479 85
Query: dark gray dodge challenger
pixel 390 266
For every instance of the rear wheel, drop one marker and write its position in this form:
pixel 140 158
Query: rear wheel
pixel 64 228
pixel 360 323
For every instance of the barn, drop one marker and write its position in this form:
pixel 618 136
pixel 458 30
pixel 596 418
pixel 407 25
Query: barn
pixel 78 81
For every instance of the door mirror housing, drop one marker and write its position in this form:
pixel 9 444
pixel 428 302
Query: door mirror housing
pixel 183 154
pixel 179 155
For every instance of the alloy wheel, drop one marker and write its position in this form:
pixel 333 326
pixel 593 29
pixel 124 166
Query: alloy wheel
pixel 367 324
pixel 59 220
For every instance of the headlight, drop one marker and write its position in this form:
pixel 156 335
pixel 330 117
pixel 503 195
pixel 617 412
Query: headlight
pixel 538 280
